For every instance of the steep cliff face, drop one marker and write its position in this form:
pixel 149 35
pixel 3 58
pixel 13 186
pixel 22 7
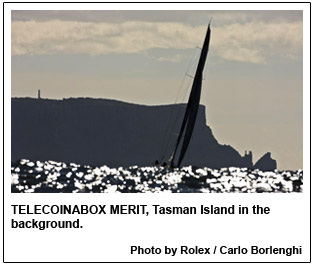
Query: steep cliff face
pixel 99 132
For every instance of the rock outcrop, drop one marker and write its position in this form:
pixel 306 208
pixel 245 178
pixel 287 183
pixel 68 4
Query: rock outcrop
pixel 265 163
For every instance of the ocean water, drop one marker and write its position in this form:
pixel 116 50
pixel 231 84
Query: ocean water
pixel 51 176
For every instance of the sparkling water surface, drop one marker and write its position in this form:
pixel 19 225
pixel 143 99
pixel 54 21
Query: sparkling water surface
pixel 50 177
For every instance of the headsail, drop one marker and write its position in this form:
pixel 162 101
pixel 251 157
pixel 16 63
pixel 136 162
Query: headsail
pixel 190 115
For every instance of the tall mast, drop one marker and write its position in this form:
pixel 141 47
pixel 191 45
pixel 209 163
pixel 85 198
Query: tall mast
pixel 190 115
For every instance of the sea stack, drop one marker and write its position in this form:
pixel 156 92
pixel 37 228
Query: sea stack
pixel 266 163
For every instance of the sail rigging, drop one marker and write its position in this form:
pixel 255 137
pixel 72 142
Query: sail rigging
pixel 190 115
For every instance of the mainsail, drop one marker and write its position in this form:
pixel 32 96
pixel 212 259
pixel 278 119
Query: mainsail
pixel 190 115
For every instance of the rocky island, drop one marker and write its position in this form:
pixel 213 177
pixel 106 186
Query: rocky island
pixel 113 133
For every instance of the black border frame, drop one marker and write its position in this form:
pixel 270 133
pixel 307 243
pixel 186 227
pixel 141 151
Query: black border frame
pixel 3 260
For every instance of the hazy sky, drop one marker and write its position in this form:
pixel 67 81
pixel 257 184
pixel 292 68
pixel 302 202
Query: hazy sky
pixel 253 77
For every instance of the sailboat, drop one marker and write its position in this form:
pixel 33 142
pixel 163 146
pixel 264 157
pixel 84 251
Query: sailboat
pixel 188 123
